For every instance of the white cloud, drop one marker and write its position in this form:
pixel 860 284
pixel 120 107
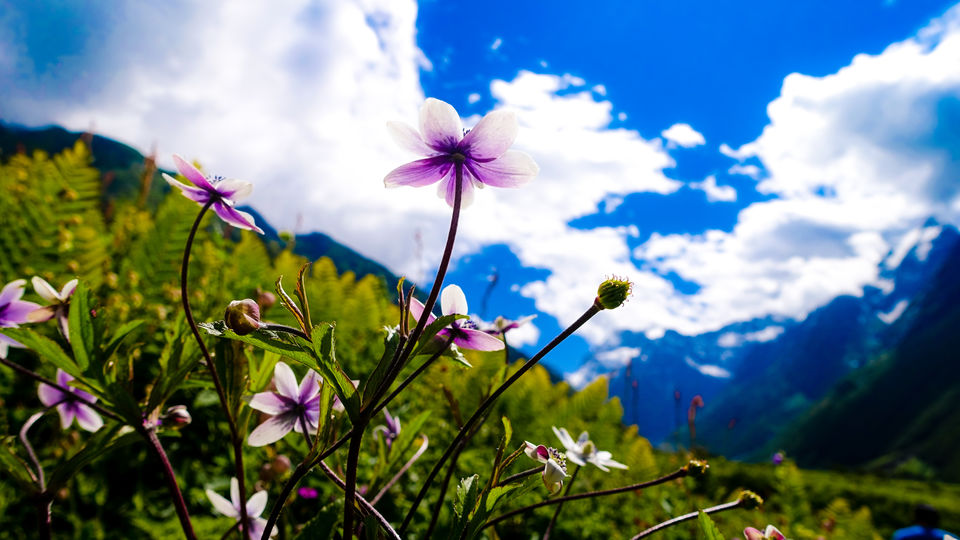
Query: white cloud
pixel 473 98
pixel 895 313
pixel 708 369
pixel 714 192
pixel 733 339
pixel 746 170
pixel 496 44
pixel 617 358
pixel 683 135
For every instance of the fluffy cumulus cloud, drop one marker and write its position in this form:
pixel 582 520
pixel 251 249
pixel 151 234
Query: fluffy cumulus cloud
pixel 683 135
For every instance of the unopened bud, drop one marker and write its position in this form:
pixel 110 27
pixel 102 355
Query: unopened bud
pixel 697 468
pixel 749 499
pixel 243 316
pixel 613 292
pixel 176 417
pixel 266 299
pixel 280 464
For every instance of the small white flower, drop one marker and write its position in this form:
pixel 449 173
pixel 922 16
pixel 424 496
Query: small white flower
pixel 255 506
pixel 554 465
pixel 583 451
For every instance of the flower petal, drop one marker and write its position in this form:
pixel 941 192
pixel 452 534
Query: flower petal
pixel 222 505
pixel 256 504
pixel 195 194
pixel 408 138
pixel 752 534
pixel 271 431
pixel 492 136
pixel 447 190
pixel 583 438
pixel 772 533
pixel 416 310
pixel 12 291
pixel 285 381
pixel 452 300
pixel 44 289
pixel 565 439
pixel 512 169
pixel 19 311
pixel 63 378
pixel 440 125
pixel 49 395
pixel 87 418
pixel 68 288
pixel 268 402
pixel 576 457
pixel 477 340
pixel 419 173
pixel 233 189
pixel 192 174
pixel 235 494
pixel 67 413
pixel 43 314
pixel 238 219
pixel 309 387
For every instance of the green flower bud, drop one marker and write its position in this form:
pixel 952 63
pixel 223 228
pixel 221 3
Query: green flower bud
pixel 243 316
pixel 613 292
pixel 749 499
pixel 697 468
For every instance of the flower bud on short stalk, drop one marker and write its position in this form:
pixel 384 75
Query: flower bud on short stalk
pixel 749 499
pixel 243 316
pixel 613 292
pixel 176 417
pixel 697 468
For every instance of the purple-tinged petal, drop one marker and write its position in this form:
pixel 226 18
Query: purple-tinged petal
pixel 583 438
pixel 192 174
pixel 5 345
pixel 311 426
pixel 195 194
pixel 512 169
pixel 271 431
pixel 12 291
pixel 419 173
pixel 68 289
pixel 238 219
pixel 42 314
pixel 269 402
pixel 448 190
pixel 63 378
pixel 416 310
pixel 285 381
pixel 256 504
pixel 235 494
pixel 772 533
pixel 44 289
pixel 453 301
pixel 752 534
pixel 235 190
pixel 87 418
pixel 309 387
pixel 257 526
pixel 440 125
pixel 409 139
pixel 222 505
pixel 49 395
pixel 574 457
pixel 538 452
pixel 67 411
pixel 492 136
pixel 477 340
pixel 19 311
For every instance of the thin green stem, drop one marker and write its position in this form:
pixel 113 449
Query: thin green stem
pixel 487 403
pixel 556 514
pixel 679 473
pixel 687 517
pixel 384 524
pixel 236 441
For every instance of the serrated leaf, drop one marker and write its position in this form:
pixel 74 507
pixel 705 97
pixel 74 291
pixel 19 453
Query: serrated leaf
pixel 708 528
pixel 324 346
pixel 289 346
pixel 466 495
pixel 45 347
pixel 390 343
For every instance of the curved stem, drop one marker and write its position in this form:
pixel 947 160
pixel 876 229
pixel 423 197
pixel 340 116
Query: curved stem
pixel 553 520
pixel 679 473
pixel 402 471
pixel 298 473
pixel 487 403
pixel 519 476
pixel 185 299
pixel 438 507
pixel 172 485
pixel 384 524
pixel 687 517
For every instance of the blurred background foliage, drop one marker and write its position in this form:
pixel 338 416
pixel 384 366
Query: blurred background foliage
pixel 61 218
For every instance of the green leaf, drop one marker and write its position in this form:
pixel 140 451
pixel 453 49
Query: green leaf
pixel 119 336
pixel 82 338
pixel 466 496
pixel 289 346
pixel 261 371
pixel 507 430
pixel 324 346
pixel 497 493
pixel 123 403
pixel 107 439
pixel 390 343
pixel 708 528
pixel 15 467
pixel 48 349
pixel 426 339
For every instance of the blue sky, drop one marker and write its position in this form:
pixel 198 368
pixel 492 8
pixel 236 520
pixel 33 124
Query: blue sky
pixel 735 159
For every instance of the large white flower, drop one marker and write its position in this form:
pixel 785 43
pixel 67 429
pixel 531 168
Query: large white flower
pixel 583 451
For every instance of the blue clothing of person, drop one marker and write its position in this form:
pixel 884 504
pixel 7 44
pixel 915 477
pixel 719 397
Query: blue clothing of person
pixel 918 532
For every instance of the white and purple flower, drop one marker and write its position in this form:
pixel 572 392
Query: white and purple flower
pixel 583 451
pixel 554 465
pixel 68 406
pixel 59 303
pixel 484 152
pixel 256 504
pixel 13 312
pixel 770 533
pixel 464 332
pixel 224 192
pixel 390 431
pixel 502 325
pixel 291 406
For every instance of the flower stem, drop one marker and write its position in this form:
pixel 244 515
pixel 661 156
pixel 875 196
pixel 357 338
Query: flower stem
pixel 402 471
pixel 44 515
pixel 487 403
pixel 679 473
pixel 350 492
pixel 556 514
pixel 384 524
pixel 687 517
pixel 175 494
pixel 519 475
pixel 185 299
